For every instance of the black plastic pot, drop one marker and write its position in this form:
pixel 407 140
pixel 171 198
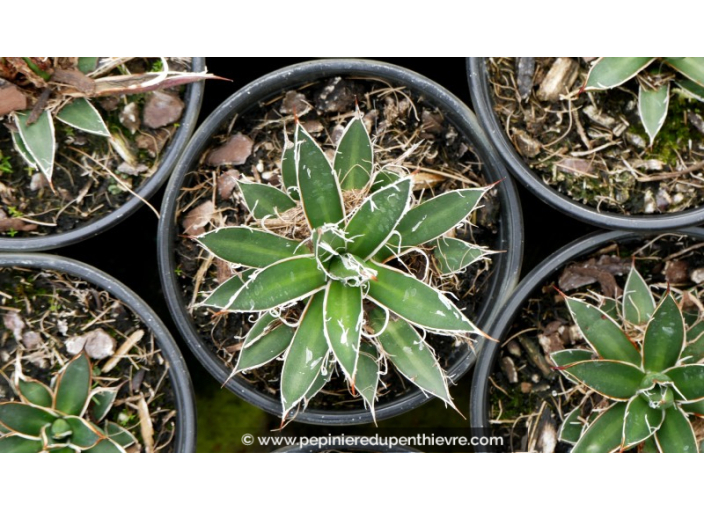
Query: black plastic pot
pixel 193 100
pixel 506 263
pixel 483 105
pixel 479 399
pixel 185 440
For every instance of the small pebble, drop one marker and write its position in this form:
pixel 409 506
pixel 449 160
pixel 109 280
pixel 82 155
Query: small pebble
pixel 663 200
pixel 128 169
pixel 31 340
pixel 129 117
pixel 677 271
pixel 514 349
pixel 294 102
pixel 226 184
pixel 509 368
pixel 161 109
pixel 697 276
pixel 14 322
pixel 137 380
pixel 233 152
pixel 528 146
pixel 100 345
pixel 431 122
pixel 97 344
pixel 198 218
pixel 38 182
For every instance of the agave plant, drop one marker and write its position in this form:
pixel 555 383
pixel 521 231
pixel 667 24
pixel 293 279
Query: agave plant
pixel 687 73
pixel 62 88
pixel 345 225
pixel 68 417
pixel 651 367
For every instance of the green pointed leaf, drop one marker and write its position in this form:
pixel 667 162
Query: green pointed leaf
pixel 664 337
pixel 377 217
pixel 604 335
pixel 568 357
pixel 286 281
pixel 260 350
pixel 60 429
pixel 453 255
pixel 694 350
pixel 410 354
pixel 691 67
pixel 81 114
pixel 695 331
pixel 689 381
pixel 62 449
pixel 22 149
pixel 641 421
pixel 39 140
pixel 650 446
pixel 34 392
pixel 638 302
pixel 436 216
pixel 367 379
pixel 613 379
pixel 691 89
pixel 306 356
pixel 265 324
pixel 343 316
pixel 323 377
pixel 416 302
pixel 288 173
pixel 350 270
pixel 120 435
pixel 610 308
pixel 24 419
pixel 609 72
pixel 222 296
pixel 264 200
pixel 694 408
pixel 572 428
pixel 354 158
pixel 17 444
pixel 106 446
pixel 85 434
pixel 73 386
pixel 675 434
pixel 604 434
pixel 383 178
pixel 87 64
pixel 101 402
pixel 249 247
pixel 652 108
pixel 317 182
pixel 328 244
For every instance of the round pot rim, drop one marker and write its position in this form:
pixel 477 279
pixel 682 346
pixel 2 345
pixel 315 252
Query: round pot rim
pixel 510 228
pixel 478 407
pixel 185 439
pixel 173 151
pixel 481 99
